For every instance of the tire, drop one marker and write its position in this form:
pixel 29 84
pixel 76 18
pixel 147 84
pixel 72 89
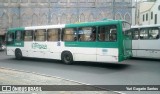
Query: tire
pixel 18 54
pixel 67 57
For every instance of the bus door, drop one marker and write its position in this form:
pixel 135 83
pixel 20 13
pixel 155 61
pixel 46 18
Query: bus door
pixel 10 43
pixel 19 38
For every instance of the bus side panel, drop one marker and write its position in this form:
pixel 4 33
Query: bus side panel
pixel 149 49
pixel 135 46
pixel 42 50
pixel 107 54
pixel 82 51
pixel 84 54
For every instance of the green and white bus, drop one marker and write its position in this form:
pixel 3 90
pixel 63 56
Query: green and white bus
pixel 102 41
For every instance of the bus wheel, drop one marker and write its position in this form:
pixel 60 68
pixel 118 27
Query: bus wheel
pixel 18 54
pixel 67 57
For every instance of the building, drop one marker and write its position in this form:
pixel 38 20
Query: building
pixel 148 12
pixel 18 13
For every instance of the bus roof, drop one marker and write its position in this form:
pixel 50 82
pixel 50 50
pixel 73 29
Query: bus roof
pixel 143 26
pixel 81 24
pixel 97 23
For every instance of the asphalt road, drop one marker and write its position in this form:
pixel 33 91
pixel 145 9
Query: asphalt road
pixel 129 72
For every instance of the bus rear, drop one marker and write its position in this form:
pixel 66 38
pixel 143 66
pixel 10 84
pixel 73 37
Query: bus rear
pixel 127 41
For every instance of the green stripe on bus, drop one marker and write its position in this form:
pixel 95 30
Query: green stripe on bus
pixel 16 29
pixel 92 44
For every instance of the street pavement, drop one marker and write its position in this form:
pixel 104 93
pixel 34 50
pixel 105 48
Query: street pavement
pixel 129 72
pixel 21 82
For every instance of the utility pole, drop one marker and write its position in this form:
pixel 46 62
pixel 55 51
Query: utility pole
pixel 78 15
pixel 113 10
pixel 19 8
pixel 49 12
pixel 136 16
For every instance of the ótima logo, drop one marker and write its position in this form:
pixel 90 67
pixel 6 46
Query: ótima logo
pixel 39 46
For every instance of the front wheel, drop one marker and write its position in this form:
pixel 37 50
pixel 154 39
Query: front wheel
pixel 67 57
pixel 18 54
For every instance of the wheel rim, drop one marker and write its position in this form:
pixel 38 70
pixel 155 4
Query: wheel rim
pixel 67 58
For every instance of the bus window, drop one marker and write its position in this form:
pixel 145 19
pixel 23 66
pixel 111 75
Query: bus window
pixel 135 34
pixel 107 33
pixel 28 35
pixel 19 35
pixel 143 33
pixel 53 34
pixel 40 35
pixel 154 33
pixel 113 35
pixel 69 34
pixel 87 34
pixel 101 34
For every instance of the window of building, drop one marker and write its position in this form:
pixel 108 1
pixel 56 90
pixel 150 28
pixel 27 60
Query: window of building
pixel 155 20
pixel 19 35
pixel 40 35
pixel 87 34
pixel 107 33
pixel 144 33
pixel 152 15
pixel 28 35
pixel 53 34
pixel 143 17
pixel 69 34
pixel 147 17
pixel 153 33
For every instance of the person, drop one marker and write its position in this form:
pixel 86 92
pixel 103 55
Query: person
pixel 93 37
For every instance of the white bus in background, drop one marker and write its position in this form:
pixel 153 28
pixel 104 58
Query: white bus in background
pixel 146 41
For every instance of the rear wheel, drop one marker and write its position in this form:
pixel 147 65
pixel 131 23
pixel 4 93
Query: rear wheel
pixel 67 57
pixel 18 54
